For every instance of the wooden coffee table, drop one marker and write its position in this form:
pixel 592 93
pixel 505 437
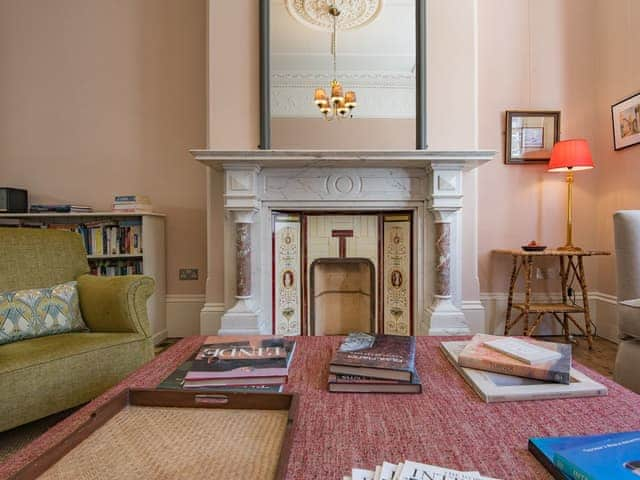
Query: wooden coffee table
pixel 446 425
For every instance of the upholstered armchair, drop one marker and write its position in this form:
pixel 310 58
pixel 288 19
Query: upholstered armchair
pixel 47 374
pixel 627 237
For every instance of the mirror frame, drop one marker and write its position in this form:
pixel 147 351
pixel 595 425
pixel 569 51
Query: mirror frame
pixel 421 75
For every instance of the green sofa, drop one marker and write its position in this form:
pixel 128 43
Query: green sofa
pixel 45 375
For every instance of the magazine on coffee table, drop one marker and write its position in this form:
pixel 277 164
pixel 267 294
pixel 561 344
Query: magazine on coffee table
pixel 496 387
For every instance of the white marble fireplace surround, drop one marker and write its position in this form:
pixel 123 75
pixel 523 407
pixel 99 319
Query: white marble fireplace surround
pixel 429 183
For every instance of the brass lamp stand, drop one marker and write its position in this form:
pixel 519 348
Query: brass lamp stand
pixel 569 246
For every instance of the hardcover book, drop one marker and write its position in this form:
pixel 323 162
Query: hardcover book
pixel 176 381
pixel 479 356
pixel 376 356
pixel 545 448
pixel 496 387
pixel 614 457
pixel 242 357
pixel 524 351
pixel 357 384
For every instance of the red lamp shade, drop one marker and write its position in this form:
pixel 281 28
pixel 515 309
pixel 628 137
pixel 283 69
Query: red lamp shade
pixel 570 155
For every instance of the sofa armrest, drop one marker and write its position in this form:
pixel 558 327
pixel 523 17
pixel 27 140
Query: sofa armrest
pixel 629 318
pixel 116 304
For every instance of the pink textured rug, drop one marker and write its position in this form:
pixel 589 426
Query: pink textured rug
pixel 446 425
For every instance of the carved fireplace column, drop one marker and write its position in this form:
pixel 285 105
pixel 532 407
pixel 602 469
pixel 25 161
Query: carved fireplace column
pixel 444 201
pixel 241 206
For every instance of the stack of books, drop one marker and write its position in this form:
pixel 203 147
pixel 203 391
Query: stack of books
pixel 236 363
pixel 132 204
pixel 409 470
pixel 367 363
pixel 593 457
pixel 509 368
pixel 60 208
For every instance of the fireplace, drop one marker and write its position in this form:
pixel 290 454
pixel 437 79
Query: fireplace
pixel 331 267
pixel 342 296
pixel 273 201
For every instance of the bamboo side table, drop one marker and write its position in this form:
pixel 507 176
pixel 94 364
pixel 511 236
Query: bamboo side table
pixel 570 261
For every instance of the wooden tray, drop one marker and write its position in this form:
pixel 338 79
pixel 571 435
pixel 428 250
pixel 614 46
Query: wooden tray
pixel 147 433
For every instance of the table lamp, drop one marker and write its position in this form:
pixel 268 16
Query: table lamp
pixel 570 156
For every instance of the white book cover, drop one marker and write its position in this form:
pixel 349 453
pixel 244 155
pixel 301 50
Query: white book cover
pixel 496 387
pixel 361 474
pixel 419 471
pixel 396 475
pixel 523 351
pixel 388 470
pixel 376 474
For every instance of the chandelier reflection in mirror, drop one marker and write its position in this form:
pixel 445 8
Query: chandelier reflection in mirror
pixel 339 105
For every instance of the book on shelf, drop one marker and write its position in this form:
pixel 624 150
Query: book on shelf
pixel 132 204
pixel 115 267
pixel 9 222
pixel 60 208
pixel 548 451
pixel 497 387
pixel 132 198
pixel 133 207
pixel 376 356
pixel 358 384
pixel 226 361
pixel 410 470
pixel 480 356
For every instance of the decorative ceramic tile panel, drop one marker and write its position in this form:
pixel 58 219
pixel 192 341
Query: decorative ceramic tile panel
pixel 287 285
pixel 397 274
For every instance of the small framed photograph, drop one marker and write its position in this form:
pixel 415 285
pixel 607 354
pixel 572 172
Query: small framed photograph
pixel 625 116
pixel 530 136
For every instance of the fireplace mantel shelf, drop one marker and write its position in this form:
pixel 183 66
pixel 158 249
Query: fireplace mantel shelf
pixel 467 159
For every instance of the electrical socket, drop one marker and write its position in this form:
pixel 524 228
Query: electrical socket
pixel 188 273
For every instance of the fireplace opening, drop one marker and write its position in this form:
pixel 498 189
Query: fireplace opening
pixel 342 296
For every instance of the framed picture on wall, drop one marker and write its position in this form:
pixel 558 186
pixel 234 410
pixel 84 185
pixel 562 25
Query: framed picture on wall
pixel 625 116
pixel 530 136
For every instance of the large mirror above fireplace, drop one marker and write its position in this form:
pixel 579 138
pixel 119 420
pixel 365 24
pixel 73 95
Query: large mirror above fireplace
pixel 342 74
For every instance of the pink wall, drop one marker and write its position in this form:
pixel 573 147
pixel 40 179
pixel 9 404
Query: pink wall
pixel 114 94
pixel 106 97
pixel 533 56
pixel 618 76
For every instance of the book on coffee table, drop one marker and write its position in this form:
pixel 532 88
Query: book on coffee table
pixel 497 387
pixel 176 381
pixel 548 450
pixel 387 357
pixel 481 354
pixel 358 384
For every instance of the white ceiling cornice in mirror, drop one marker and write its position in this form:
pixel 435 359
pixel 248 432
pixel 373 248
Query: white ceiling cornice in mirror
pixel 377 59
pixel 315 13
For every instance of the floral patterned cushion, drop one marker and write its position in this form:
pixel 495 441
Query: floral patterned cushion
pixel 38 312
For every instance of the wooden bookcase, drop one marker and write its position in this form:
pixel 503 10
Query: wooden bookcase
pixel 153 254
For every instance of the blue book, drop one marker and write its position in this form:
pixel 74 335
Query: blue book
pixel 616 457
pixel 546 448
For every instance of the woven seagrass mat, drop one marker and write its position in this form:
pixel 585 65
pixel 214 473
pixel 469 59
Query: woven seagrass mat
pixel 173 443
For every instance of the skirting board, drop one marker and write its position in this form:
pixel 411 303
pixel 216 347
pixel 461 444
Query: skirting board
pixel 190 315
pixel 601 305
pixel 183 315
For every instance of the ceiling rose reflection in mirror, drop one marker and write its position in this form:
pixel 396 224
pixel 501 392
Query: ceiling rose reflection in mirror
pixel 315 13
